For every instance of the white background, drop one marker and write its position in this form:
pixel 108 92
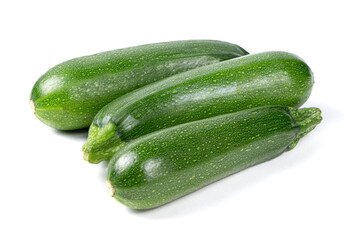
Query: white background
pixel 312 192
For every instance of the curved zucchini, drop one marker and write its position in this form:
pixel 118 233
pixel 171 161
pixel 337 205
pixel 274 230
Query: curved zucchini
pixel 160 167
pixel 271 78
pixel 70 94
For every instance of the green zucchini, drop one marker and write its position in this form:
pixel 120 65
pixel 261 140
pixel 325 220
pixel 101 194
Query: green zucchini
pixel 70 94
pixel 271 78
pixel 163 166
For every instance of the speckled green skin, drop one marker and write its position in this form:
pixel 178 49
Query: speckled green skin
pixel 160 167
pixel 70 94
pixel 271 78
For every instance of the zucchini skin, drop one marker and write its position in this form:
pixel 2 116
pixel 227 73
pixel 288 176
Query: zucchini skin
pixel 163 166
pixel 69 95
pixel 270 78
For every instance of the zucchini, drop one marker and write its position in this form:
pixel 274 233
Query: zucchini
pixel 69 95
pixel 271 78
pixel 163 166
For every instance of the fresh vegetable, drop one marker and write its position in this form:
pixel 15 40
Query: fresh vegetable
pixel 162 166
pixel 70 94
pixel 271 78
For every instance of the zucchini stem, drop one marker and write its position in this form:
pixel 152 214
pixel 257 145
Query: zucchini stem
pixel 100 139
pixel 306 119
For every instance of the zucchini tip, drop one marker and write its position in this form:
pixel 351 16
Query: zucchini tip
pixel 32 106
pixel 110 188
